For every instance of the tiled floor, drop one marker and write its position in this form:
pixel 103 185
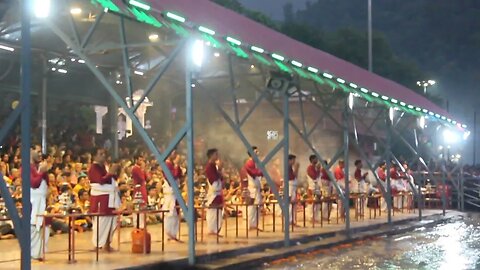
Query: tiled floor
pixel 57 256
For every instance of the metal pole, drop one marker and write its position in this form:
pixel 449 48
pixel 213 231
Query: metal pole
pixel 474 137
pixel 388 200
pixel 346 204
pixel 370 45
pixel 286 197
pixel 190 164
pixel 44 105
pixel 26 81
pixel 113 114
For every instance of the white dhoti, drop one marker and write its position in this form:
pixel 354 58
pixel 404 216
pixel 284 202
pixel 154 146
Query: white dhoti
pixel 106 224
pixel 326 192
pixel 292 193
pixel 106 228
pixel 341 185
pixel 172 221
pixel 312 209
pixel 38 198
pixel 255 190
pixel 214 215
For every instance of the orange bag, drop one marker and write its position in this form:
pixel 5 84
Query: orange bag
pixel 138 238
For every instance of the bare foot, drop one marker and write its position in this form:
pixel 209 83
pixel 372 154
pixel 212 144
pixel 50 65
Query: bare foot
pixel 109 249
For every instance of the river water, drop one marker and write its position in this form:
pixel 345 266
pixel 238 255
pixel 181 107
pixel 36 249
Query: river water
pixel 448 246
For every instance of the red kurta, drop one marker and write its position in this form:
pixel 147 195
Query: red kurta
pixel 252 169
pixel 313 171
pixel 98 174
pixel 213 175
pixel 140 178
pixel 381 174
pixel 325 175
pixel 36 177
pixel 358 174
pixel 339 173
pixel 176 172
pixel 291 174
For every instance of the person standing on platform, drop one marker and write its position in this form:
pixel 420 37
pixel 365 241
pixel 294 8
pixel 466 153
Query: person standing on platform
pixel 362 183
pixel 361 178
pixel 139 177
pixel 38 199
pixel 215 192
pixel 293 167
pixel 172 219
pixel 254 176
pixel 339 174
pixel 313 178
pixel 104 199
pixel 327 189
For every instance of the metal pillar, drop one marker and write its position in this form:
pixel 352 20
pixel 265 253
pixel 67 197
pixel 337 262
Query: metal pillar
pixel 286 168
pixel 43 121
pixel 113 128
pixel 388 151
pixel 26 85
pixel 346 203
pixel 190 163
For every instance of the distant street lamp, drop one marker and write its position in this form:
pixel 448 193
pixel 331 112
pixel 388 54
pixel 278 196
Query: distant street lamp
pixel 425 84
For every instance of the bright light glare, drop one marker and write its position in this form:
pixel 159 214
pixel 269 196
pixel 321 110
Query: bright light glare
pixel 466 134
pixel 391 113
pixel 139 4
pixel 257 49
pixel 217 54
pixel 197 52
pixel 61 70
pixel 312 69
pixel 76 11
pixel 81 61
pixel 6 48
pixel 153 37
pixel 450 136
pixel 138 72
pixel 431 82
pixel 350 101
pixel 41 8
pixel 421 122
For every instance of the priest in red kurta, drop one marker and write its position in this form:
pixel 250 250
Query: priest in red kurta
pixel 172 219
pixel 215 192
pixel 38 200
pixel 314 188
pixel 139 177
pixel 104 199
pixel 254 175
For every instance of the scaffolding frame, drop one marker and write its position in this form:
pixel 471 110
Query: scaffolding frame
pixel 348 126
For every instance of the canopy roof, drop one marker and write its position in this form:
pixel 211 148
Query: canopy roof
pixel 226 30
pixel 227 23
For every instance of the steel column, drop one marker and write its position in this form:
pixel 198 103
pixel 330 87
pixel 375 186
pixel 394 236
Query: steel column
pixel 43 120
pixel 190 163
pixel 388 199
pixel 113 128
pixel 232 88
pixel 126 60
pixel 286 168
pixel 26 85
pixel 346 203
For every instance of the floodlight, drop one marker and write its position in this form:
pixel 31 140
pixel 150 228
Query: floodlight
pixel 41 8
pixel 198 52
